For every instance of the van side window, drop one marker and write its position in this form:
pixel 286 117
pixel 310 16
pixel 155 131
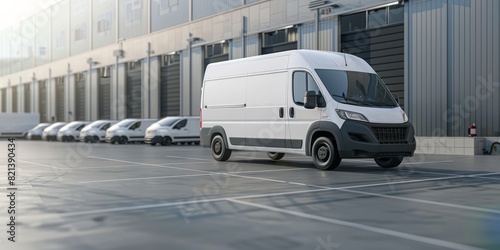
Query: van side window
pixel 135 126
pixel 181 124
pixel 302 82
pixel 80 127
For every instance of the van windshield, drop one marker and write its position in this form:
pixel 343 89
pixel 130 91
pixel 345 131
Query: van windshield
pixel 96 124
pixel 356 88
pixel 125 123
pixel 167 122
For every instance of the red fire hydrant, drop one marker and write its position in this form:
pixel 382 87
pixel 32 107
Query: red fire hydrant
pixel 472 130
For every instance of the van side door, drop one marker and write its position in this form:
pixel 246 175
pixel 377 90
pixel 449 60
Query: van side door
pixel 180 130
pixel 299 118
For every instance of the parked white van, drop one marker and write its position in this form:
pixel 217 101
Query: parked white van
pixel 50 133
pixel 36 132
pixel 173 130
pixel 128 130
pixel 322 104
pixel 17 124
pixel 96 131
pixel 71 132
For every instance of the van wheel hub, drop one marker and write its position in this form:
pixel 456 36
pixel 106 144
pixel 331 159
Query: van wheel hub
pixel 217 147
pixel 323 153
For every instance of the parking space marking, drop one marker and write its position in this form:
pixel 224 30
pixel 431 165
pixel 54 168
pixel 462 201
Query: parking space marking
pixel 407 236
pixel 426 162
pixel 477 209
pixel 42 165
pixel 187 158
pixel 439 173
pixel 149 164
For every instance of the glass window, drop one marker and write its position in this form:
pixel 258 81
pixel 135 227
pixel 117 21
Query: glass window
pixel 353 22
pixel 167 122
pixel 181 124
pixel 396 14
pixel 106 126
pixel 377 17
pixel 302 82
pixel 280 36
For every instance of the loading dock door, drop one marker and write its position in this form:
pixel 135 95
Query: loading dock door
pixel 104 98
pixel 134 90
pixel 42 100
pixel 383 49
pixel 4 100
pixel 170 90
pixel 15 107
pixel 27 98
pixel 59 99
pixel 80 97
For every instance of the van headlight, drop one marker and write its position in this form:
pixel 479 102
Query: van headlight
pixel 405 117
pixel 349 115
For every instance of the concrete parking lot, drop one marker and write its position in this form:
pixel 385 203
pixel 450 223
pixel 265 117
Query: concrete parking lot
pixel 135 196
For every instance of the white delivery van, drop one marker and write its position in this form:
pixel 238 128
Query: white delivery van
pixel 173 130
pixel 322 104
pixel 96 131
pixel 17 124
pixel 71 132
pixel 50 133
pixel 36 132
pixel 128 130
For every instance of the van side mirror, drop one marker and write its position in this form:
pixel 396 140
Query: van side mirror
pixel 310 99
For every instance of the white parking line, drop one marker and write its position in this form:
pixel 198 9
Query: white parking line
pixel 426 162
pixel 439 173
pixel 42 165
pixel 144 178
pixel 412 237
pixel 186 158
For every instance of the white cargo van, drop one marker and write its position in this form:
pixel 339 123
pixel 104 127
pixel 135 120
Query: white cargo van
pixel 174 129
pixel 322 104
pixel 96 131
pixel 128 130
pixel 36 132
pixel 17 124
pixel 71 132
pixel 50 133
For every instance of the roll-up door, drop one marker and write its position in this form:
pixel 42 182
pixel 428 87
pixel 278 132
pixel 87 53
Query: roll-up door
pixel 42 100
pixel 4 100
pixel 380 42
pixel 104 98
pixel 60 99
pixel 79 97
pixel 170 80
pixel 134 90
pixel 27 98
pixel 218 52
pixel 15 107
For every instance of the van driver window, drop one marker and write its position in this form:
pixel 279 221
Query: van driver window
pixel 302 82
pixel 80 127
pixel 181 124
pixel 106 126
pixel 135 126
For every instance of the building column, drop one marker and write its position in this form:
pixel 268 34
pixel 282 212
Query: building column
pixel 51 99
pixel 118 92
pixel 151 87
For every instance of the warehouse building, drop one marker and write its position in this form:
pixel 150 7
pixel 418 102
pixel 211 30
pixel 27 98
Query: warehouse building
pixel 110 59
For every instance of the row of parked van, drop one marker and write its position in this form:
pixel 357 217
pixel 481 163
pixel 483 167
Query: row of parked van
pixel 166 131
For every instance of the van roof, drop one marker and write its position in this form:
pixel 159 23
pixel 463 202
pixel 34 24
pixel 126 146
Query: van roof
pixel 310 59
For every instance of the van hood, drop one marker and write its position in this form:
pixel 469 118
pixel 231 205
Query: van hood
pixel 377 115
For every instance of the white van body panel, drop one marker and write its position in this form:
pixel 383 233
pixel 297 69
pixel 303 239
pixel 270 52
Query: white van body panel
pixel 36 132
pixel 50 133
pixel 96 129
pixel 132 134
pixel 251 102
pixel 71 131
pixel 17 124
pixel 184 129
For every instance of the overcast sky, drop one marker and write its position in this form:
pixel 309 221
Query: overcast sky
pixel 13 11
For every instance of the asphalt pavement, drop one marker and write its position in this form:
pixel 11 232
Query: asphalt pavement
pixel 137 196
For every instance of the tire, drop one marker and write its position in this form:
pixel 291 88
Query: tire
pixel 71 139
pixel 166 141
pixel 153 144
pixel 325 154
pixel 219 150
pixel 123 140
pixel 388 162
pixel 64 138
pixel 275 156
pixel 95 139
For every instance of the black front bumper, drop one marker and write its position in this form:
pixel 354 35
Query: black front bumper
pixel 112 139
pixel 368 140
pixel 154 140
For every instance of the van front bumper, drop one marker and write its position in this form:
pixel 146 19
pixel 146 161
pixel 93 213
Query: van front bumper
pixel 112 139
pixel 152 140
pixel 368 140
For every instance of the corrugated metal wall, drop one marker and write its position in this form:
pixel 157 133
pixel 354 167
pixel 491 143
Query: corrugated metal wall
pixel 252 45
pixel 27 97
pixel 134 91
pixel 60 104
pixel 452 49
pixel 15 106
pixel 104 98
pixel 328 32
pixel 4 100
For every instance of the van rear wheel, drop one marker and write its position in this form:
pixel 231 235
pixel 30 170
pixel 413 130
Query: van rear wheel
pixel 275 156
pixel 219 150
pixel 325 154
pixel 388 162
pixel 95 139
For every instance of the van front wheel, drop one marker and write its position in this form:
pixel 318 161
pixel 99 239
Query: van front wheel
pixel 388 162
pixel 219 150
pixel 275 156
pixel 325 155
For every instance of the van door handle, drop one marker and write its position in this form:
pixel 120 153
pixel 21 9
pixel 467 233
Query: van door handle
pixel 291 112
pixel 282 110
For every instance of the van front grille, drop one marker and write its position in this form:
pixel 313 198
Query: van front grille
pixel 391 135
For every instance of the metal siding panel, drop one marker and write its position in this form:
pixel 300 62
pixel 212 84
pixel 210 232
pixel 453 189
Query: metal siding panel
pixel 27 98
pixel 483 122
pixel 104 98
pixel 134 93
pixel 252 45
pixel 495 30
pixel 79 99
pixel 307 38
